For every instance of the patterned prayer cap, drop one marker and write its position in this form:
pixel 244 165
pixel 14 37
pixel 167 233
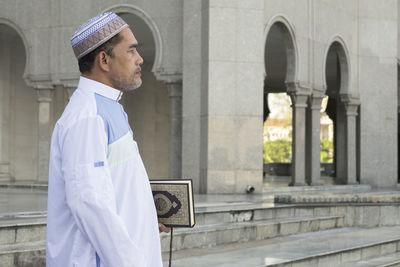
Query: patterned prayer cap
pixel 95 32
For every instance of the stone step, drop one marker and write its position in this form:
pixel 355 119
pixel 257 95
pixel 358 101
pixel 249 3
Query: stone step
pixel 22 228
pixel 225 233
pixel 317 188
pixel 256 211
pixel 391 260
pixel 23 186
pixel 328 248
pixel 27 254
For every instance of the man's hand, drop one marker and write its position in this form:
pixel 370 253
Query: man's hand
pixel 163 228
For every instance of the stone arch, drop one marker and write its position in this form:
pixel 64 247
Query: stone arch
pixel 18 102
pixel 338 45
pixel 132 9
pixel 27 47
pixel 281 65
pixel 287 29
pixel 342 108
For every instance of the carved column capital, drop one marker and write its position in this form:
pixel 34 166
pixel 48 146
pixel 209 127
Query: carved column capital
pixel 174 88
pixel 299 93
pixel 298 100
pixel 300 88
pixel 351 104
pixel 315 101
pixel 168 77
pixel 351 109
pixel 45 94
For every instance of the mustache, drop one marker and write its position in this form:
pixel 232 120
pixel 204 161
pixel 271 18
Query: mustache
pixel 139 69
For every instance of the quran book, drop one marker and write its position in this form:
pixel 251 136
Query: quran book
pixel 174 202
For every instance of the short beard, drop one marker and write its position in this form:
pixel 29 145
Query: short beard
pixel 126 87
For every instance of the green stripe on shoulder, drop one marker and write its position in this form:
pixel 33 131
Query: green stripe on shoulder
pixel 122 150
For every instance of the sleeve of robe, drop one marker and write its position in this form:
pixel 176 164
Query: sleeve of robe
pixel 90 193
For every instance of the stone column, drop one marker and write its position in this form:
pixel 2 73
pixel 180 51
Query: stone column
pixel 350 176
pixel 45 96
pixel 299 105
pixel 5 175
pixel 313 175
pixel 175 143
pixel 5 89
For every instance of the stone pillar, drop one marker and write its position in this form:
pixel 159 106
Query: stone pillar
pixel 175 143
pixel 6 82
pixel 313 174
pixel 5 175
pixel 350 176
pixel 299 105
pixel 45 96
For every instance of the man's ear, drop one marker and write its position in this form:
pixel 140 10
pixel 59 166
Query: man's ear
pixel 103 61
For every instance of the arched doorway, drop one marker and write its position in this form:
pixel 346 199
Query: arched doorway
pixel 18 109
pixel 337 81
pixel 148 106
pixel 280 66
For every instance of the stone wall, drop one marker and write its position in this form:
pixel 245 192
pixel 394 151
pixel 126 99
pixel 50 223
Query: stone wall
pixel 377 76
pixel 217 48
pixel 148 112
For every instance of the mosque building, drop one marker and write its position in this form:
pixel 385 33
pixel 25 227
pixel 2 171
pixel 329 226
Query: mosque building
pixel 209 67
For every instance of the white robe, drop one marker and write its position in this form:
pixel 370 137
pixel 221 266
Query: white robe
pixel 99 198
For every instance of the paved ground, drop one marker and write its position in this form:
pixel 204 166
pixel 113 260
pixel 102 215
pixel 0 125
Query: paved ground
pixel 33 198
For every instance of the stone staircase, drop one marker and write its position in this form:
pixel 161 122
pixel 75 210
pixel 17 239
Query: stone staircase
pixel 350 246
pixel 313 229
pixel 22 239
pixel 217 228
pixel 341 232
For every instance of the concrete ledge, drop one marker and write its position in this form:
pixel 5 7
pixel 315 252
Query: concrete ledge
pixel 41 187
pixel 338 199
pixel 317 188
pixel 392 260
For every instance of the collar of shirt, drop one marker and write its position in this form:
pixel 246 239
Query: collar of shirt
pixel 99 88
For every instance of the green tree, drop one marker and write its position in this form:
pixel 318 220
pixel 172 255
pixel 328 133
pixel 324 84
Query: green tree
pixel 326 151
pixel 277 151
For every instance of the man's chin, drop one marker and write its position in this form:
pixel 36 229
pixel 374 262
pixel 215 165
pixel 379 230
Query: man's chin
pixel 132 87
pixel 136 85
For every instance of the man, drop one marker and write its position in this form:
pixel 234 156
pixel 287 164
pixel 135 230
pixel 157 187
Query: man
pixel 100 206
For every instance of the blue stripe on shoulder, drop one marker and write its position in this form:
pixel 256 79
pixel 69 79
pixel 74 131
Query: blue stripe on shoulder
pixel 115 122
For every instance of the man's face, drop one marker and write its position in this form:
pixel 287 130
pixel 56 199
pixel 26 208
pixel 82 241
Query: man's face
pixel 125 71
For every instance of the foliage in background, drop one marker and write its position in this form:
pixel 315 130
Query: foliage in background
pixel 281 151
pixel 277 151
pixel 326 151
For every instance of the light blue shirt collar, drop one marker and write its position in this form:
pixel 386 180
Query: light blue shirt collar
pixel 99 88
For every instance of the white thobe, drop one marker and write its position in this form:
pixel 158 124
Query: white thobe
pixel 99 199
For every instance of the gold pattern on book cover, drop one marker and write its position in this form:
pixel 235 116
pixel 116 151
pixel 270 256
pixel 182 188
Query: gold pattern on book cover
pixel 171 202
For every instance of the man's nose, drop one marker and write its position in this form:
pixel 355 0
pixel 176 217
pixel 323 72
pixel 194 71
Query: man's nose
pixel 140 60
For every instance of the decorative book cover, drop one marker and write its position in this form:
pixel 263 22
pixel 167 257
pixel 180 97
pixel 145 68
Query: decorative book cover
pixel 174 202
